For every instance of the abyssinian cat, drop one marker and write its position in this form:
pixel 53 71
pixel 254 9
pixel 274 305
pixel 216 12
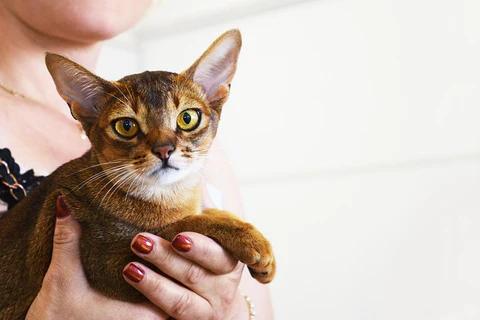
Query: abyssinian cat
pixel 149 134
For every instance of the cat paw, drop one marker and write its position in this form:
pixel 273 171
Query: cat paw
pixel 256 252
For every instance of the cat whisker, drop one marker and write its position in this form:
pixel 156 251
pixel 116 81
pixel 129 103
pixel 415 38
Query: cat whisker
pixel 130 94
pixel 110 180
pixel 99 175
pixel 202 155
pixel 199 154
pixel 205 172
pixel 210 157
pixel 143 182
pixel 118 99
pixel 131 181
pixel 88 180
pixel 108 175
pixel 210 149
pixel 125 103
pixel 134 181
pixel 207 154
pixel 199 150
pixel 117 185
pixel 132 99
pixel 97 165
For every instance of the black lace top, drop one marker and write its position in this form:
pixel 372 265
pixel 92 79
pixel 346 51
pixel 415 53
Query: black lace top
pixel 14 185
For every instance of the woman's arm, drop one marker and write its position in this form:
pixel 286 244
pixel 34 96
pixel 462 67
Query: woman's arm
pixel 221 189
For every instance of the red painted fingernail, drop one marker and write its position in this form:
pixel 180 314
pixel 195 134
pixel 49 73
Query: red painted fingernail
pixel 133 273
pixel 62 209
pixel 182 243
pixel 142 244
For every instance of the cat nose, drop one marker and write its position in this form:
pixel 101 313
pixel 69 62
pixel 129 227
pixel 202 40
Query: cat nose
pixel 164 151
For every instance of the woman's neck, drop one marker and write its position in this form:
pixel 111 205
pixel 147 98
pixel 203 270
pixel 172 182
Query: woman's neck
pixel 22 60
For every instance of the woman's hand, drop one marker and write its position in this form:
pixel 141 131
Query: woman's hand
pixel 205 284
pixel 66 294
pixel 205 277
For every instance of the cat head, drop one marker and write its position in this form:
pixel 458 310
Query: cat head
pixel 154 128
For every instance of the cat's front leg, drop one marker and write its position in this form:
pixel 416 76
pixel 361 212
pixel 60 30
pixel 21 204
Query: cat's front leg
pixel 240 238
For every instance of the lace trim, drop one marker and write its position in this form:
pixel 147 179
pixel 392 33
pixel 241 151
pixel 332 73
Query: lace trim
pixel 13 185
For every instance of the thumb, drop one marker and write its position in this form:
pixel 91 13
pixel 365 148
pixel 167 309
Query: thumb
pixel 66 252
pixel 65 274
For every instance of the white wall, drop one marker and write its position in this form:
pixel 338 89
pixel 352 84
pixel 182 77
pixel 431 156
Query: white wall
pixel 352 127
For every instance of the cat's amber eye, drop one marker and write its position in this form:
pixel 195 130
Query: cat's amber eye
pixel 126 128
pixel 189 119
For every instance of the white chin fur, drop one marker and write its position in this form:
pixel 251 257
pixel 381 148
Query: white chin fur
pixel 168 183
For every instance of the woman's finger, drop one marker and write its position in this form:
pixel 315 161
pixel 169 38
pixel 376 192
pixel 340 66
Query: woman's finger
pixel 191 274
pixel 65 254
pixel 192 246
pixel 67 234
pixel 174 299
pixel 205 252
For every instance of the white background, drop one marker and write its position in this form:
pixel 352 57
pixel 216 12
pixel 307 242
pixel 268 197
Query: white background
pixel 353 129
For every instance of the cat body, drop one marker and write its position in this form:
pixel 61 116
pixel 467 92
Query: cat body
pixel 150 133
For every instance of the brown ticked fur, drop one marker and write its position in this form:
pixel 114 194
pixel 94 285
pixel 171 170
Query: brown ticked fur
pixel 113 189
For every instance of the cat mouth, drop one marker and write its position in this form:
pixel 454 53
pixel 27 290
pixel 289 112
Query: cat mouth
pixel 163 168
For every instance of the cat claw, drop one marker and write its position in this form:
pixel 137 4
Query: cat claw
pixel 264 270
pixel 258 256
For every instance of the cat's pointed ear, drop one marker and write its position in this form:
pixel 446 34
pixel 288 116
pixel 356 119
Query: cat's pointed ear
pixel 81 89
pixel 215 69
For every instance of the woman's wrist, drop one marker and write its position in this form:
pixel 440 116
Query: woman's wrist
pixel 240 308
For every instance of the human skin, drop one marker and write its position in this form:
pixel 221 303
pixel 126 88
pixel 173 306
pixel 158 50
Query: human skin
pixel 42 135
